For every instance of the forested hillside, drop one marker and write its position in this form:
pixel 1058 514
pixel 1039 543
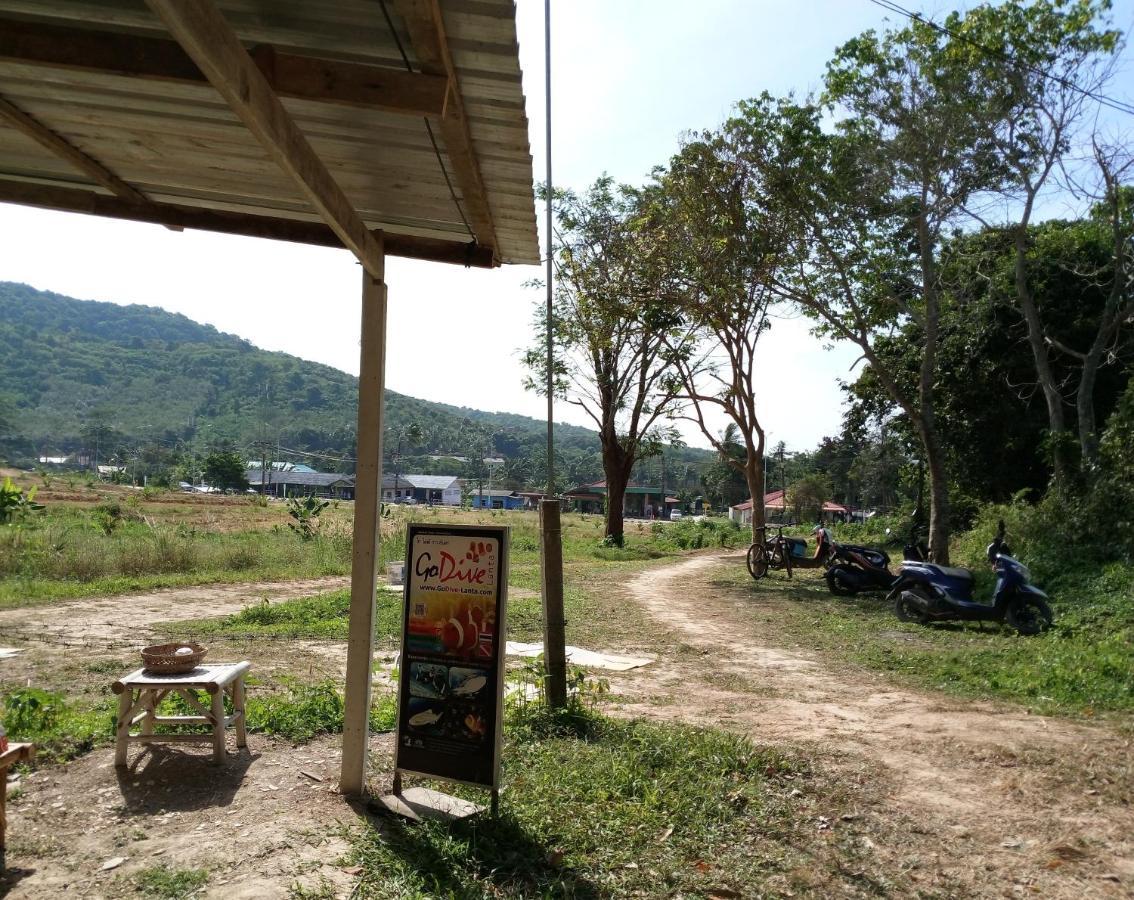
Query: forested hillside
pixel 136 376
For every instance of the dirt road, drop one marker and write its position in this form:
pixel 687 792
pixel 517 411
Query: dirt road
pixel 990 800
pixel 122 617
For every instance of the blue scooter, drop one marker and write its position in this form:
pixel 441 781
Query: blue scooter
pixel 925 592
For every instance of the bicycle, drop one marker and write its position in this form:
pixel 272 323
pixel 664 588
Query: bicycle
pixel 770 553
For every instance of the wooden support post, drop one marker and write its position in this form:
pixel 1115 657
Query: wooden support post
pixel 364 567
pixel 217 718
pixel 238 696
pixel 554 639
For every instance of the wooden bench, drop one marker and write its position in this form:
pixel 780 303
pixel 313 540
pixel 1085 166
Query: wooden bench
pixel 141 692
pixel 14 754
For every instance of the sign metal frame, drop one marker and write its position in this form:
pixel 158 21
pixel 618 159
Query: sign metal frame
pixel 442 654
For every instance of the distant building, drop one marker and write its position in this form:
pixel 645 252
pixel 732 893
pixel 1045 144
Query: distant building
pixel 774 510
pixel 495 499
pixel 641 501
pixel 434 490
pixel 280 466
pixel 301 484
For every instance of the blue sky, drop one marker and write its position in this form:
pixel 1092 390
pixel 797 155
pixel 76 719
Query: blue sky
pixel 629 77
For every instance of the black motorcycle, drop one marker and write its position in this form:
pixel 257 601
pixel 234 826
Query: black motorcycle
pixel 855 569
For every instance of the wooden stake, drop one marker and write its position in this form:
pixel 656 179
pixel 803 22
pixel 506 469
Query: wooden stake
pixel 364 567
pixel 554 639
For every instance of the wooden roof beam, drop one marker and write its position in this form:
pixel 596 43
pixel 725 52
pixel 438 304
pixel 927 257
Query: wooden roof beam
pixel 177 216
pixel 64 149
pixel 201 30
pixel 426 29
pixel 290 75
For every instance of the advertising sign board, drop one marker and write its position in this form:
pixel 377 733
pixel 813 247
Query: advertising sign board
pixel 450 699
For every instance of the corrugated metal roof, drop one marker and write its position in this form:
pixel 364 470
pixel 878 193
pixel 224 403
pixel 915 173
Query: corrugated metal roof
pixel 316 479
pixel 430 482
pixel 179 143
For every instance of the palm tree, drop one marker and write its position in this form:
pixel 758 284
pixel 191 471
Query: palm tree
pixel 411 435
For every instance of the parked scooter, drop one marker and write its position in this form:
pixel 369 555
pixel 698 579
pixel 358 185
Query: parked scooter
pixel 854 569
pixel 926 592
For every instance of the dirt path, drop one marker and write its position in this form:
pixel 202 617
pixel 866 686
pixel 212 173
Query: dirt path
pixel 995 801
pixel 121 617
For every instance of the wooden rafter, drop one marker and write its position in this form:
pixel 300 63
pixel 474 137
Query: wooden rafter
pixel 176 216
pixel 64 149
pixel 201 30
pixel 290 75
pixel 426 29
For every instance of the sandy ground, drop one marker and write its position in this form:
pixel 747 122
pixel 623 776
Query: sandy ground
pixel 961 798
pixel 999 802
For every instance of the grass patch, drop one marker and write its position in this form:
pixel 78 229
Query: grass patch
pixel 125 544
pixel 1082 666
pixel 294 710
pixel 168 883
pixel 598 808
pixel 302 711
pixel 322 616
pixel 60 729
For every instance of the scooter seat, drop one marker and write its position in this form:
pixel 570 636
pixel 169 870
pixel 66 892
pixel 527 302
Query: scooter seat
pixel 952 572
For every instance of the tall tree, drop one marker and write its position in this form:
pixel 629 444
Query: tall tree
pixel 868 205
pixel 224 469
pixel 1043 61
pixel 722 242
pixel 615 331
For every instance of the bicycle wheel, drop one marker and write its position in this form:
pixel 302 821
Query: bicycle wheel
pixel 757 561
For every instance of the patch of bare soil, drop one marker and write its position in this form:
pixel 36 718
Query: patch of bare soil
pixel 269 819
pixel 125 617
pixel 966 797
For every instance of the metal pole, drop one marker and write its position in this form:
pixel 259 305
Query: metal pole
pixel 551 555
pixel 551 492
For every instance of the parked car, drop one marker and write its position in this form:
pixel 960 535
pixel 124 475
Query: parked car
pixel 674 515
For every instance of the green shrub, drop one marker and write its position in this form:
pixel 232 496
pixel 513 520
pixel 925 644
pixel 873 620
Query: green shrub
pixel 60 730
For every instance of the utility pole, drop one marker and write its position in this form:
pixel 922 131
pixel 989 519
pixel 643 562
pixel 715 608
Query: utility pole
pixel 551 550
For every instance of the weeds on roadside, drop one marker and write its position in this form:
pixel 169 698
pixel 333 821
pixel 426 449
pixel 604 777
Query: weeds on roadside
pixel 167 883
pixel 60 729
pixel 303 711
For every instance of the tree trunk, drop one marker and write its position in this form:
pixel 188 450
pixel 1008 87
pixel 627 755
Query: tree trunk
pixel 615 498
pixel 1042 359
pixel 616 465
pixel 927 418
pixel 1085 411
pixel 938 500
pixel 754 475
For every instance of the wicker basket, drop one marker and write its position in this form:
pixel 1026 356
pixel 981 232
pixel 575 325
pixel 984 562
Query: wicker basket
pixel 162 659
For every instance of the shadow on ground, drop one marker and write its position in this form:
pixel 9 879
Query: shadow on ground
pixel 163 779
pixel 478 856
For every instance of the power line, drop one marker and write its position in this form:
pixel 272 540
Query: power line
pixel 1102 99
